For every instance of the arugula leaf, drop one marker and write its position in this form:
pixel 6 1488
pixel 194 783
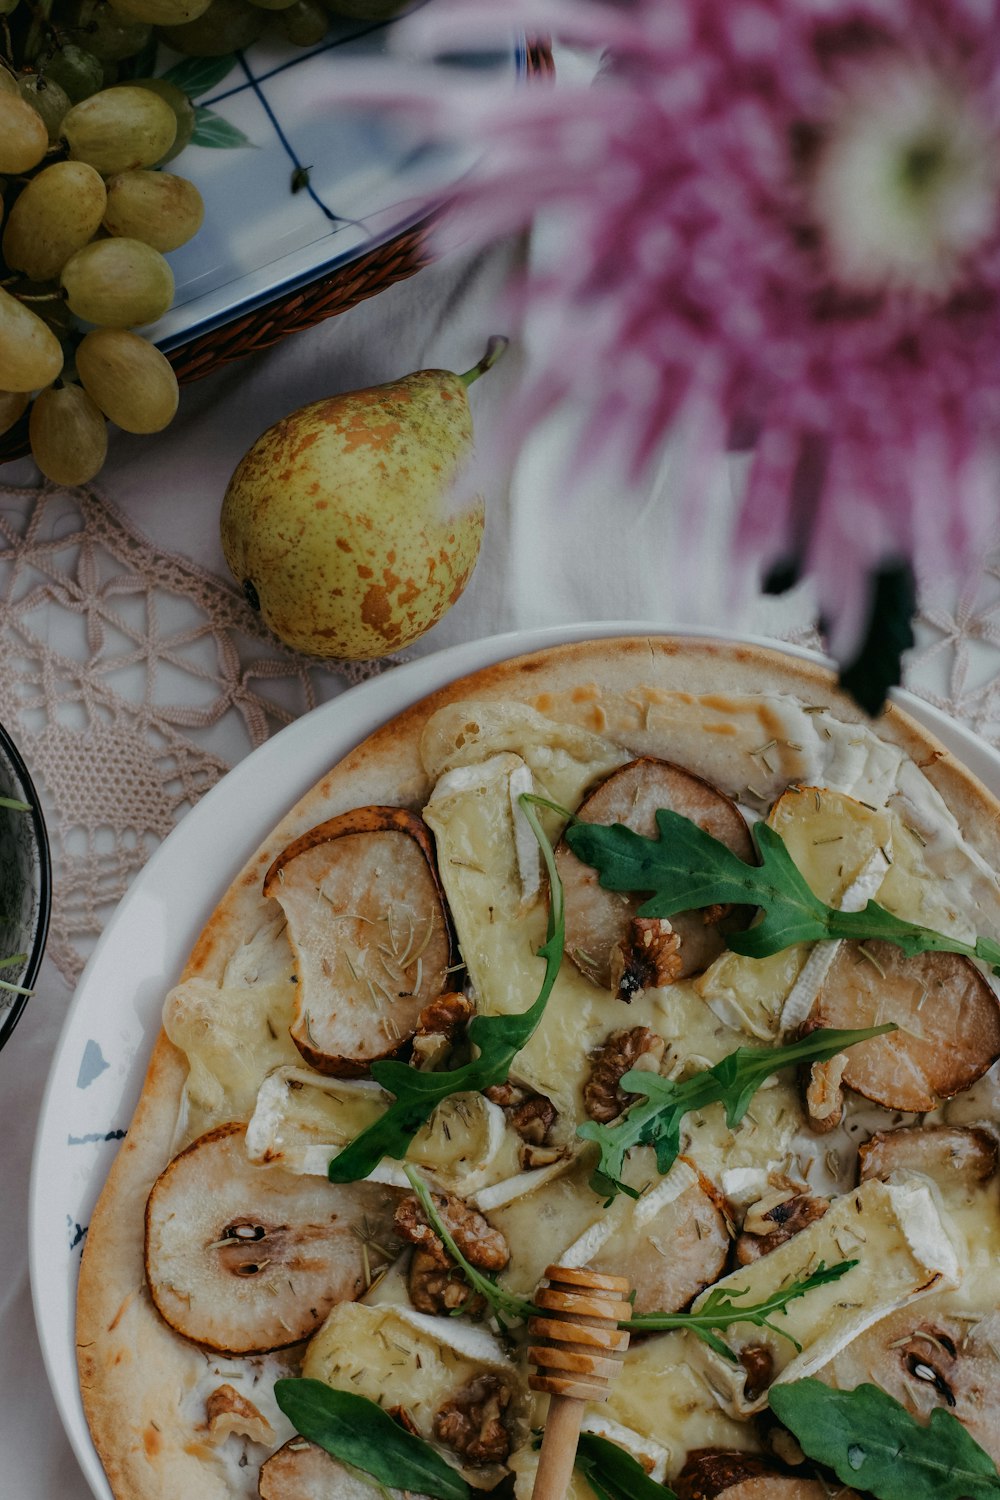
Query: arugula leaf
pixel 505 1304
pixel 614 1474
pixel 498 1039
pixel 361 1434
pixel 685 868
pixel 721 1308
pixel 872 1442
pixel 732 1081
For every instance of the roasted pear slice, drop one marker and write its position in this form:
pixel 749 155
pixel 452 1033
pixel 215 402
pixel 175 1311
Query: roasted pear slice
pixel 672 1254
pixel 304 1471
pixel 368 925
pixel 720 1474
pixel 927 1358
pixel 956 1156
pixel 948 1019
pixel 245 1259
pixel 602 936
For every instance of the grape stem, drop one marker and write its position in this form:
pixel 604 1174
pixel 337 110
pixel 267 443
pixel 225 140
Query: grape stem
pixel 39 296
pixel 41 25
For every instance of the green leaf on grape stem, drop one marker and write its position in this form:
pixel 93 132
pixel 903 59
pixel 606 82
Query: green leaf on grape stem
pixel 211 129
pixel 196 75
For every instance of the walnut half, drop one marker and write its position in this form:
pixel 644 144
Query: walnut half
pixel 647 957
pixel 227 1411
pixel 471 1422
pixel 622 1050
pixel 435 1283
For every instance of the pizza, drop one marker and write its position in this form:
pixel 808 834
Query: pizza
pixel 286 1215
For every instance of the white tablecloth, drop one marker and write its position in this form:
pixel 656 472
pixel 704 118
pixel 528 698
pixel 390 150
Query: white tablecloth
pixel 549 557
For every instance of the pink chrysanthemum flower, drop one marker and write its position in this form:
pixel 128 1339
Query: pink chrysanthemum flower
pixel 781 222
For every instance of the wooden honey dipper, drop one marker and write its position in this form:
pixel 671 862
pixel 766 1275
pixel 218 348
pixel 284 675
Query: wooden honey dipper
pixel 582 1350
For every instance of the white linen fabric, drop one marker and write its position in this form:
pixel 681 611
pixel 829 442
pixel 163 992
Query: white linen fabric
pixel 549 557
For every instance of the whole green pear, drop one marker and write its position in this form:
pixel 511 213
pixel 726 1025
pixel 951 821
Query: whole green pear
pixel 341 524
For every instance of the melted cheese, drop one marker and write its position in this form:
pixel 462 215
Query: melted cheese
pixel 892 1231
pixel 401 1358
pixel 563 758
pixel 232 1035
pixel 301 1120
pixel 972 1219
pixel 662 1392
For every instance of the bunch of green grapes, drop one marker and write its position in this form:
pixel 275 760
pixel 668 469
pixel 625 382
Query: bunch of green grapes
pixel 86 220
pixel 87 213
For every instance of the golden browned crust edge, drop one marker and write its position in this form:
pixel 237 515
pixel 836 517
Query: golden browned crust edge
pixel 127 1356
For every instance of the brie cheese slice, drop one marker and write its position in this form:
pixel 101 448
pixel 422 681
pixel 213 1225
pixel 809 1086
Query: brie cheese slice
pixel 894 1233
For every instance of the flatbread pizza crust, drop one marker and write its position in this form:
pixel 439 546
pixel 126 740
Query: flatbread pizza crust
pixel 670 697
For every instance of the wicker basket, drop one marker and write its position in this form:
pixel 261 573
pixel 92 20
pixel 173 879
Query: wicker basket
pixel 310 304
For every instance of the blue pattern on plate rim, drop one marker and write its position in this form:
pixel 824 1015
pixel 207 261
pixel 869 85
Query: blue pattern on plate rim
pixel 92 1064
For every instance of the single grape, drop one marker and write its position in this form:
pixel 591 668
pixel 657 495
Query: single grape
pixel 131 381
pixel 304 24
pixel 46 96
pixel 117 283
pixel 68 434
pixel 183 112
pixel 30 354
pixel 57 213
pixel 107 33
pixel 7 7
pixel 13 405
pixel 120 128
pixel 161 12
pixel 163 210
pixel 24 139
pixel 226 26
pixel 77 71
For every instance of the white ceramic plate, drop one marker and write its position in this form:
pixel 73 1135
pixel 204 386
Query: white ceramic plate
pixel 101 1058
pixel 367 181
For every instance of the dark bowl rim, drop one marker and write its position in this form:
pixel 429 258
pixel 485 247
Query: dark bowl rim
pixel 13 1015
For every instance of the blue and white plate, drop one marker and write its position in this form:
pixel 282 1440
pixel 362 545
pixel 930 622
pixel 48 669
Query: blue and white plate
pixel 315 186
pixel 114 1017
